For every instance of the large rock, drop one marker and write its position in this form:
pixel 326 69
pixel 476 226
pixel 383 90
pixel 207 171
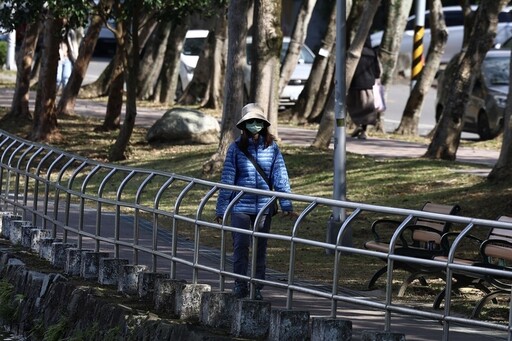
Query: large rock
pixel 185 126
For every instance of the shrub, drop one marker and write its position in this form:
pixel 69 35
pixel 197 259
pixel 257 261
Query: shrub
pixel 3 53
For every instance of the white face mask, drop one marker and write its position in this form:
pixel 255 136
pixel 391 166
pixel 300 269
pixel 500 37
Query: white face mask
pixel 254 126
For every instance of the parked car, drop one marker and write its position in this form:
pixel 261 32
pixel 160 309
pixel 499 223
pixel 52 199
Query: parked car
pixel 193 45
pixel 486 106
pixel 299 76
pixel 454 19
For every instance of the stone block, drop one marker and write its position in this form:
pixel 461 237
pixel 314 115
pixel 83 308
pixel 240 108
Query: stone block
pixel 166 291
pixel 90 264
pixel 5 224
pixel 73 261
pixel 251 319
pixel 376 335
pixel 217 309
pixel 326 329
pixel 147 281
pixel 17 231
pixel 35 238
pixel 59 256
pixel 289 325
pixel 188 304
pixel 110 270
pixel 129 279
pixel 45 248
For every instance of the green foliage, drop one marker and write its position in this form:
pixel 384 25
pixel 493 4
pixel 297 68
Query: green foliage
pixel 7 303
pixel 3 53
pixel 57 331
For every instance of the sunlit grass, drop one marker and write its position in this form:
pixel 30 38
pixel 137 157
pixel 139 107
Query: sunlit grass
pixel 394 182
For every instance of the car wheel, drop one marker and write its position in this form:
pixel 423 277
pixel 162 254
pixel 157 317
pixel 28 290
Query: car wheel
pixel 484 129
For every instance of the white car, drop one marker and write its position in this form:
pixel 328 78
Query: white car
pixel 454 24
pixel 193 45
pixel 299 76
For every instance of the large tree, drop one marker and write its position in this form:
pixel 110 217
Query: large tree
pixel 411 116
pixel 234 82
pixel 325 131
pixel 502 170
pixel 267 40
pixel 66 105
pixel 313 97
pixel 447 133
pixel 296 41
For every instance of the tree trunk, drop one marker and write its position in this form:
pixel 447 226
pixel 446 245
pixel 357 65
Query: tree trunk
pixel 325 130
pixel 392 38
pixel 116 89
pixel 411 116
pixel 100 87
pixel 312 95
pixel 324 90
pixel 118 151
pixel 168 79
pixel 213 99
pixel 153 60
pixel 502 170
pixel 266 51
pixel 234 83
pixel 296 41
pixel 67 101
pixel 20 101
pixel 446 138
pixel 324 133
pixel 45 121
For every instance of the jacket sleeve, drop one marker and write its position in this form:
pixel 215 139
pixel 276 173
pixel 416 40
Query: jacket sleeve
pixel 281 181
pixel 228 177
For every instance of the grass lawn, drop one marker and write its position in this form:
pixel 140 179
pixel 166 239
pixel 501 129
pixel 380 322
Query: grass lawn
pixel 403 183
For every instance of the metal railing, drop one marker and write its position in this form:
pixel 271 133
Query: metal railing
pixel 142 213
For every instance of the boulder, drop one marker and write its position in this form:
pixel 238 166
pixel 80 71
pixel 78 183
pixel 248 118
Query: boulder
pixel 185 126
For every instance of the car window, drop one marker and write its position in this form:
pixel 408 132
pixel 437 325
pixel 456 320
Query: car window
pixel 496 70
pixel 193 46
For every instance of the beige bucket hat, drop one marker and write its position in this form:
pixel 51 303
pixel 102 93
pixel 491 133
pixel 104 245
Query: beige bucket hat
pixel 252 111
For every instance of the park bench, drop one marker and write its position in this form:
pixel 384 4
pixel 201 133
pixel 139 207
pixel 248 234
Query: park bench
pixel 421 238
pixel 494 252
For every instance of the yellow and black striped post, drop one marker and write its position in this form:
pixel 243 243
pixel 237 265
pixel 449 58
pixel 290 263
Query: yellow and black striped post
pixel 417 53
pixel 417 46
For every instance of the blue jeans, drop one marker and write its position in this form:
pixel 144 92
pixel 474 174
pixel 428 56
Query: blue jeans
pixel 63 72
pixel 241 243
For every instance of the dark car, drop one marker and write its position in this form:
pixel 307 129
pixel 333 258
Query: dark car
pixel 486 106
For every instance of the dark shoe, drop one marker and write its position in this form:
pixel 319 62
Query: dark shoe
pixel 357 132
pixel 362 136
pixel 257 295
pixel 240 291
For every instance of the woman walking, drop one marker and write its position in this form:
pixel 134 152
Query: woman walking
pixel 255 148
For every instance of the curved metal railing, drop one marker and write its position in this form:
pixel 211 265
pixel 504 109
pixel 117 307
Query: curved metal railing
pixel 141 214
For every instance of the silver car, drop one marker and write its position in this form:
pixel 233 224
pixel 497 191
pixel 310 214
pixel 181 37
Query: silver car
pixel 486 106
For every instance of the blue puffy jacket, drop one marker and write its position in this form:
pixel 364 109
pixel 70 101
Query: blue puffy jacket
pixel 239 171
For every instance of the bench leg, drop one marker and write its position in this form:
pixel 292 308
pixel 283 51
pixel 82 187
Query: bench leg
pixel 409 280
pixel 376 276
pixel 485 299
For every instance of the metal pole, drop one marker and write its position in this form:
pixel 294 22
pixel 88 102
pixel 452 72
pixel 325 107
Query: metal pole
pixel 417 46
pixel 338 213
